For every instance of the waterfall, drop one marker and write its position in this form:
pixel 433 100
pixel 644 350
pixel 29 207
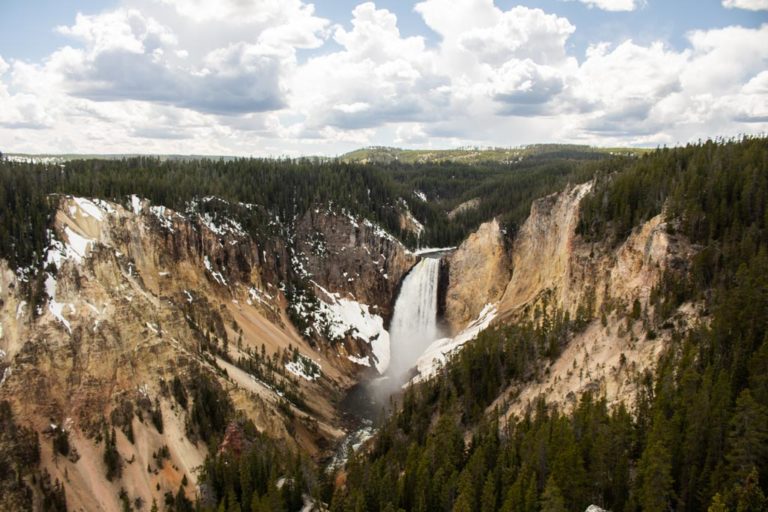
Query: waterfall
pixel 413 328
pixel 414 320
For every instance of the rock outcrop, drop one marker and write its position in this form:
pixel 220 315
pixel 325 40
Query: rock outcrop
pixel 543 253
pixel 555 268
pixel 598 286
pixel 551 272
pixel 478 272
pixel 354 257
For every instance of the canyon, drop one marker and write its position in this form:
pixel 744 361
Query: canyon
pixel 135 290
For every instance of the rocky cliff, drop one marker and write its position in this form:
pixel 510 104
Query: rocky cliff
pixel 551 273
pixel 478 272
pixel 142 301
pixel 545 258
pixel 353 257
pixel 606 291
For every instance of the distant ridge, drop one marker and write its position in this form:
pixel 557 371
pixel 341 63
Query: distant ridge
pixel 385 154
pixel 371 154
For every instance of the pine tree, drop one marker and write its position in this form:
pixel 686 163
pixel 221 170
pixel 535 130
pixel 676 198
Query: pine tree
pixel 552 499
pixel 749 496
pixel 748 436
pixel 656 476
pixel 488 498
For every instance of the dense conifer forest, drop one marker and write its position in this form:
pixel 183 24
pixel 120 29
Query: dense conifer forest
pixel 286 189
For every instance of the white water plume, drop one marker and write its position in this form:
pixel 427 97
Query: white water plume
pixel 414 321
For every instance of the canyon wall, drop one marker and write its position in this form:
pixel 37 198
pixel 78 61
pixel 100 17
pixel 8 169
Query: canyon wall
pixel 551 272
pixel 139 297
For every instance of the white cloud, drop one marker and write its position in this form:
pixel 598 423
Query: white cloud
pixel 617 88
pixel 614 5
pixel 411 134
pixel 751 5
pixel 376 78
pixel 520 33
pixel 524 88
pixel 653 92
pixel 724 59
pixel 229 77
pixel 129 55
pixel 452 17
pixel 122 29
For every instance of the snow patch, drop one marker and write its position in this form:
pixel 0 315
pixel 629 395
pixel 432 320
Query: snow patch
pixel 377 230
pixel 89 208
pixel 159 212
pixel 350 316
pixel 20 309
pixel 216 275
pixel 421 195
pixel 6 374
pixel 221 225
pixel 104 205
pixel 298 265
pixel 304 367
pixel 440 350
pixel 362 361
pixel 57 308
pixel 255 294
pixel 136 204
pixel 78 245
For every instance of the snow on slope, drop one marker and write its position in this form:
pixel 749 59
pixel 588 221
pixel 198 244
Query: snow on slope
pixel 440 350
pixel 347 315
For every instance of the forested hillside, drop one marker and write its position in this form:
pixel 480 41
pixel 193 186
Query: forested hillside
pixel 286 189
pixel 698 439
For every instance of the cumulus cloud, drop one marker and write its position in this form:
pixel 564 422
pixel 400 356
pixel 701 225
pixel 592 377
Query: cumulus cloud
pixel 127 55
pixel 233 76
pixel 618 87
pixel 751 5
pixel 377 77
pixel 520 33
pixel 524 88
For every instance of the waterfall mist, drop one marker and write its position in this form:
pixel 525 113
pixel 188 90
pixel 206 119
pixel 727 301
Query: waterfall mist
pixel 414 321
pixel 413 327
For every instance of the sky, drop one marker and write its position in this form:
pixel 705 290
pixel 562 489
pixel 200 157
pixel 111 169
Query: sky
pixel 290 77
